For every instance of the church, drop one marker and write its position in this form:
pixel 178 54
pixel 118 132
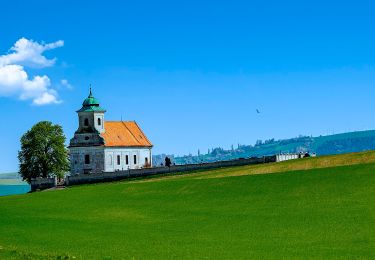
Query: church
pixel 106 146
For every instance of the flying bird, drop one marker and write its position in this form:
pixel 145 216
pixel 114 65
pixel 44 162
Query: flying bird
pixel 258 112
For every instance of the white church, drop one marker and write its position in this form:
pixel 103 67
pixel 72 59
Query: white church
pixel 107 146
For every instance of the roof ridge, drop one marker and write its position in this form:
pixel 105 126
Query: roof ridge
pixel 110 121
pixel 142 133
pixel 125 134
pixel 130 131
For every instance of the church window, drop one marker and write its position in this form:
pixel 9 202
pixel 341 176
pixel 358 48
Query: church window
pixel 135 159
pixel 99 121
pixel 110 159
pixel 146 161
pixel 118 160
pixel 127 159
pixel 87 159
pixel 86 122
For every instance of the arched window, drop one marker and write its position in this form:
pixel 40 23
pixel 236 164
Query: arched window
pixel 99 121
pixel 135 159
pixel 146 161
pixel 87 159
pixel 127 159
pixel 118 160
pixel 86 122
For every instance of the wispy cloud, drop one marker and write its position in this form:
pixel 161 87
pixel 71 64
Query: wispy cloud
pixel 65 83
pixel 15 81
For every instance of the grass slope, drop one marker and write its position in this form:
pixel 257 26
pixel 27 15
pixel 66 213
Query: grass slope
pixel 319 213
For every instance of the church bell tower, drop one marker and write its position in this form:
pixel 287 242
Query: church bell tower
pixel 90 123
pixel 91 116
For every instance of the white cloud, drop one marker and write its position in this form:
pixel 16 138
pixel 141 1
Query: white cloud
pixel 14 80
pixel 46 98
pixel 29 53
pixel 65 83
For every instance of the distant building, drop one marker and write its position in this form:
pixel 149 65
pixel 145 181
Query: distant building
pixel 292 156
pixel 287 157
pixel 106 146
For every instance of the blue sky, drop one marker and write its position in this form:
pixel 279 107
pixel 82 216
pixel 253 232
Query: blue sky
pixel 191 73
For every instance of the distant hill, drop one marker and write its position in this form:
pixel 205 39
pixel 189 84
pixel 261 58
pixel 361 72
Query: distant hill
pixel 322 145
pixel 12 178
pixel 12 175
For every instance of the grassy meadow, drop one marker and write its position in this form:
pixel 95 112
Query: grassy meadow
pixel 311 208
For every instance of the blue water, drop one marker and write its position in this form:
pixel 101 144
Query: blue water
pixel 13 189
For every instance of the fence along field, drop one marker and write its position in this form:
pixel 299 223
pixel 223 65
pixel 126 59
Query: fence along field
pixel 40 184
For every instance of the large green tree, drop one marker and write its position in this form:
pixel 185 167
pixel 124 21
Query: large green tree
pixel 43 152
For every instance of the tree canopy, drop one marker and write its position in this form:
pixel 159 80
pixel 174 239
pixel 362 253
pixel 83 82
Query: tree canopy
pixel 43 152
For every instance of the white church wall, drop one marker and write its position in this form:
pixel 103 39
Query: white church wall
pixel 97 117
pixel 92 118
pixel 119 159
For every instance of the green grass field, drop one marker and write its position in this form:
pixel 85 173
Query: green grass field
pixel 311 208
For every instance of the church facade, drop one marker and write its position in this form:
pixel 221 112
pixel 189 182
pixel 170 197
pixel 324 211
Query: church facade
pixel 107 146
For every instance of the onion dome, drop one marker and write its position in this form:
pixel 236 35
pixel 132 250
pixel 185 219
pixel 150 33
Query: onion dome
pixel 91 104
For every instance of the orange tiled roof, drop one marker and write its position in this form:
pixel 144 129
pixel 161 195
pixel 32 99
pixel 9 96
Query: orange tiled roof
pixel 122 133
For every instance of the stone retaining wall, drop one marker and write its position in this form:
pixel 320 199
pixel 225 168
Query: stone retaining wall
pixel 43 183
pixel 120 175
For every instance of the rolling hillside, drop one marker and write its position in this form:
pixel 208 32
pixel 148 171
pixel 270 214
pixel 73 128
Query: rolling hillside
pixel 12 175
pixel 322 145
pixel 10 179
pixel 310 208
